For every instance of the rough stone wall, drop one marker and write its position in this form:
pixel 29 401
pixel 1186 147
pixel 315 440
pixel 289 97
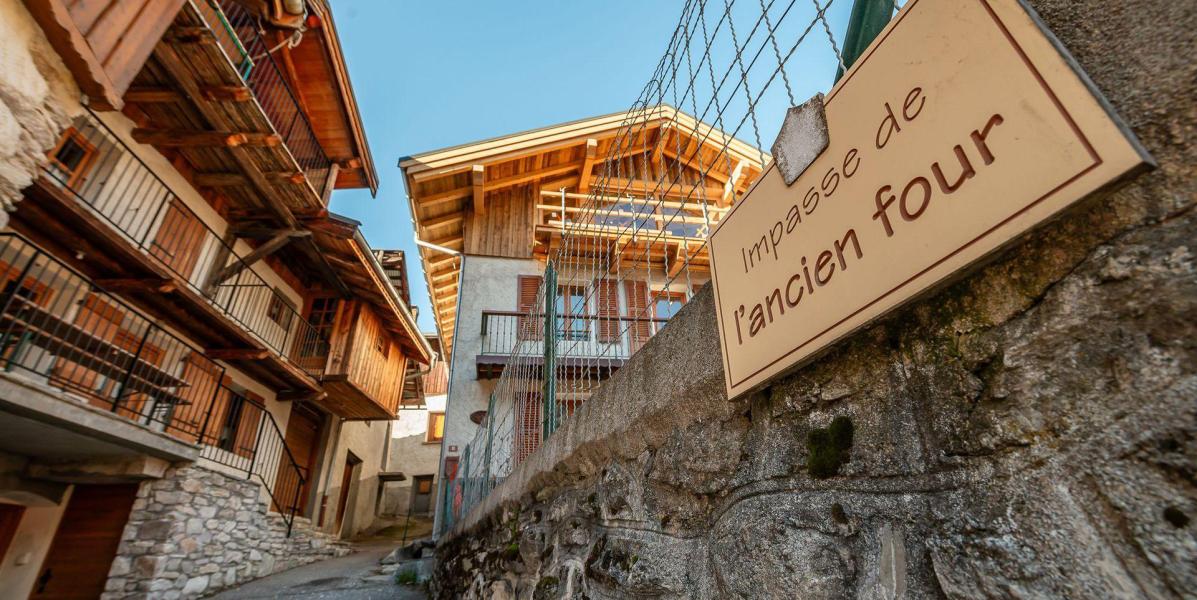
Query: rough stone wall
pixel 1027 432
pixel 33 87
pixel 196 531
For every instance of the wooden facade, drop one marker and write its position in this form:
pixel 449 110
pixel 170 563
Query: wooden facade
pixel 364 376
pixel 516 196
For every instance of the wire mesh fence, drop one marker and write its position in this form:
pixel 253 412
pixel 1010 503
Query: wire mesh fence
pixel 632 244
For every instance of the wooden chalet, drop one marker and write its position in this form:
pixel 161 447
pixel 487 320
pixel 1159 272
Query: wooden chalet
pixel 254 111
pixel 516 196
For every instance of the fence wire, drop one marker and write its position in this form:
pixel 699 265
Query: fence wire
pixel 632 249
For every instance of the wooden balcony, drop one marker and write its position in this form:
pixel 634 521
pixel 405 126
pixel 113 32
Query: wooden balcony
pixel 587 345
pixel 115 221
pixel 365 373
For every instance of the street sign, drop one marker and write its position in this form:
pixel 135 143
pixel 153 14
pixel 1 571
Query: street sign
pixel 962 126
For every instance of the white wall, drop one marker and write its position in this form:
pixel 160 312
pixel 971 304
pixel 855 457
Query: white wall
pixel 411 455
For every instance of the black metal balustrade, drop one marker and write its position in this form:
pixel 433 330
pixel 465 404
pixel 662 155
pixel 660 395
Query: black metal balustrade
pixel 242 435
pixel 95 166
pixel 240 35
pixel 57 327
pixel 507 333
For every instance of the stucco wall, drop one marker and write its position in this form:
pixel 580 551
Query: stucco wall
pixel 411 455
pixel 1027 432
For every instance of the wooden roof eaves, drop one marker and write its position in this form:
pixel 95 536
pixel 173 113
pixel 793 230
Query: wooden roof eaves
pixel 332 43
pixel 448 161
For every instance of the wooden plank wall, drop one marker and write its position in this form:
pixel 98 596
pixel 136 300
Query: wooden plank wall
pixel 355 352
pixel 506 228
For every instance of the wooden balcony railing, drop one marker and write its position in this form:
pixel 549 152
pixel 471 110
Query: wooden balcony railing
pixel 57 327
pixel 240 35
pixel 506 333
pixel 95 166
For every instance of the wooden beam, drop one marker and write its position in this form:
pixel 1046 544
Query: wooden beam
pixel 503 182
pixel 445 241
pixel 152 95
pixel 180 138
pixel 478 178
pixel 227 93
pixel 588 165
pixel 267 248
pixel 691 204
pixel 164 286
pixel 236 353
pixel 237 179
pixel 448 219
pixel 662 141
pixel 729 188
pixel 330 182
pixel 333 227
pixel 439 198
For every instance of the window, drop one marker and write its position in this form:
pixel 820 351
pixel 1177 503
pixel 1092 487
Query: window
pixel 424 484
pixel 571 304
pixel 436 428
pixel 71 159
pixel 321 315
pixel 667 304
pixel 280 309
pixel 382 345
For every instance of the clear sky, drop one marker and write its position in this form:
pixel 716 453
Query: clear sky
pixel 435 73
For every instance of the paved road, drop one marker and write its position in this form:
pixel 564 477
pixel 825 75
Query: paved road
pixel 353 577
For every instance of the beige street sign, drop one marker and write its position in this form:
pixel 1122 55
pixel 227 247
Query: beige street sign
pixel 961 127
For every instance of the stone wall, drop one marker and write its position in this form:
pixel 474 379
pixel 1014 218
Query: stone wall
pixel 1028 432
pixel 196 531
pixel 35 88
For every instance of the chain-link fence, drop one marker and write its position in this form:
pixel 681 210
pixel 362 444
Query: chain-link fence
pixel 632 246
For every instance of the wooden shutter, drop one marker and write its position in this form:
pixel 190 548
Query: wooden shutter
pixel 638 301
pixel 202 393
pixel 607 292
pixel 528 426
pixel 530 328
pixel 101 320
pixel 246 437
pixel 179 239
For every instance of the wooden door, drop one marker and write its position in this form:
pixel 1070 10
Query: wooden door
pixel 347 481
pixel 10 519
pixel 303 441
pixel 86 542
pixel 421 492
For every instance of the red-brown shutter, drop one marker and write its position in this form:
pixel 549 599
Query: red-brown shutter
pixel 530 328
pixel 638 303
pixel 179 239
pixel 246 437
pixel 607 292
pixel 528 426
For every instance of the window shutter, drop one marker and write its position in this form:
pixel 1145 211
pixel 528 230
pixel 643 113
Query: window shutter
pixel 530 328
pixel 638 303
pixel 607 292
pixel 179 239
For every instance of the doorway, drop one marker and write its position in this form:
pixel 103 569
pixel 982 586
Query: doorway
pixel 303 441
pixel 10 519
pixel 348 480
pixel 86 542
pixel 421 494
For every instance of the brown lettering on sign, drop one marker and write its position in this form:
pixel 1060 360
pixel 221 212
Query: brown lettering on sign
pixel 961 127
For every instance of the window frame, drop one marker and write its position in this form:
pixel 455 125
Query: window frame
pixel 429 433
pixel 76 175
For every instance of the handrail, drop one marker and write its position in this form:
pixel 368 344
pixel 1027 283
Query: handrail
pixel 108 177
pixel 56 324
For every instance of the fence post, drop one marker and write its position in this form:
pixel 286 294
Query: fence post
pixel 550 350
pixel 120 391
pixel 868 18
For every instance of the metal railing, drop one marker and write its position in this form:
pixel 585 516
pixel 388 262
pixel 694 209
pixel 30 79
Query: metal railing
pixel 240 35
pixel 506 333
pixel 58 328
pixel 242 435
pixel 95 166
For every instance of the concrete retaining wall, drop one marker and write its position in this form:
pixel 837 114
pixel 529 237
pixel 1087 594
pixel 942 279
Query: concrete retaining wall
pixel 1028 432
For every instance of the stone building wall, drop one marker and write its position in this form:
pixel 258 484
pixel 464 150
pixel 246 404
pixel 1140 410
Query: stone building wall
pixel 196 531
pixel 35 89
pixel 1027 432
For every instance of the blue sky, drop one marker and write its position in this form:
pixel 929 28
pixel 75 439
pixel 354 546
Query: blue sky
pixel 431 74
